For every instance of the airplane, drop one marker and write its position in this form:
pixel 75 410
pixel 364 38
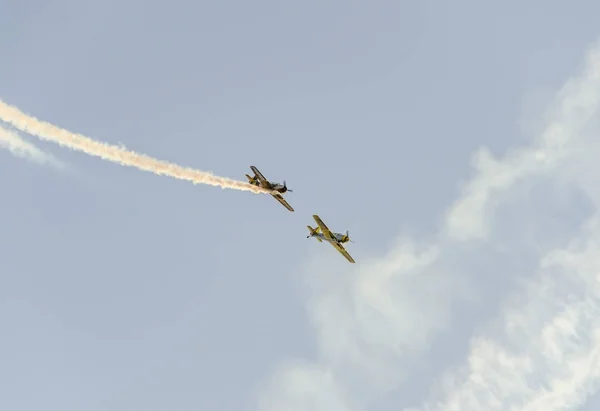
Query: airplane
pixel 260 181
pixel 335 239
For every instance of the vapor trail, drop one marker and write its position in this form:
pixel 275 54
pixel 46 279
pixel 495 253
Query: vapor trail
pixel 46 131
pixel 21 148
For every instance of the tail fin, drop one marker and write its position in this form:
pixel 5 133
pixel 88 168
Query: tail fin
pixel 251 180
pixel 314 231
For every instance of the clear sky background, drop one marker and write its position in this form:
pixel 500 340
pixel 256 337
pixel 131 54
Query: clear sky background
pixel 121 290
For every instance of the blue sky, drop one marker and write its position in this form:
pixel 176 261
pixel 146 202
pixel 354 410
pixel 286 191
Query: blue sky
pixel 456 142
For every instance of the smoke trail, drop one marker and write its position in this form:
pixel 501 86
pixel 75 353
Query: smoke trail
pixel 21 148
pixel 75 141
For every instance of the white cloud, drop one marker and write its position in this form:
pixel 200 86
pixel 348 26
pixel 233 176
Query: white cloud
pixel 543 354
pixel 374 321
pixel 303 386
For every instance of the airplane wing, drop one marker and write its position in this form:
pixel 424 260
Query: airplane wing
pixel 261 178
pixel 343 251
pixel 280 198
pixel 326 231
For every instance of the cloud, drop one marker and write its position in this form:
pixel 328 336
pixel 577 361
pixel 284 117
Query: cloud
pixel 544 352
pixel 516 226
pixel 14 143
pixel 304 386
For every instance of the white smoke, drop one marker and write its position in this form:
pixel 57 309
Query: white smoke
pixel 14 143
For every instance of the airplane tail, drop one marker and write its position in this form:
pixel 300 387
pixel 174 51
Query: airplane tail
pixel 313 231
pixel 251 180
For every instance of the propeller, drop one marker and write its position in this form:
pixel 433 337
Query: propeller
pixel 286 189
pixel 348 235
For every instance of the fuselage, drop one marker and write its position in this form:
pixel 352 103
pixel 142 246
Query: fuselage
pixel 269 186
pixel 279 187
pixel 337 238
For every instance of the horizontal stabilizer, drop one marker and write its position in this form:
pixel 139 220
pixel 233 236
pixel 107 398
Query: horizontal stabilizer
pixel 314 231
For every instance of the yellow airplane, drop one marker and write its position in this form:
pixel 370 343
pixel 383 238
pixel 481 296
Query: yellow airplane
pixel 335 239
pixel 260 181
